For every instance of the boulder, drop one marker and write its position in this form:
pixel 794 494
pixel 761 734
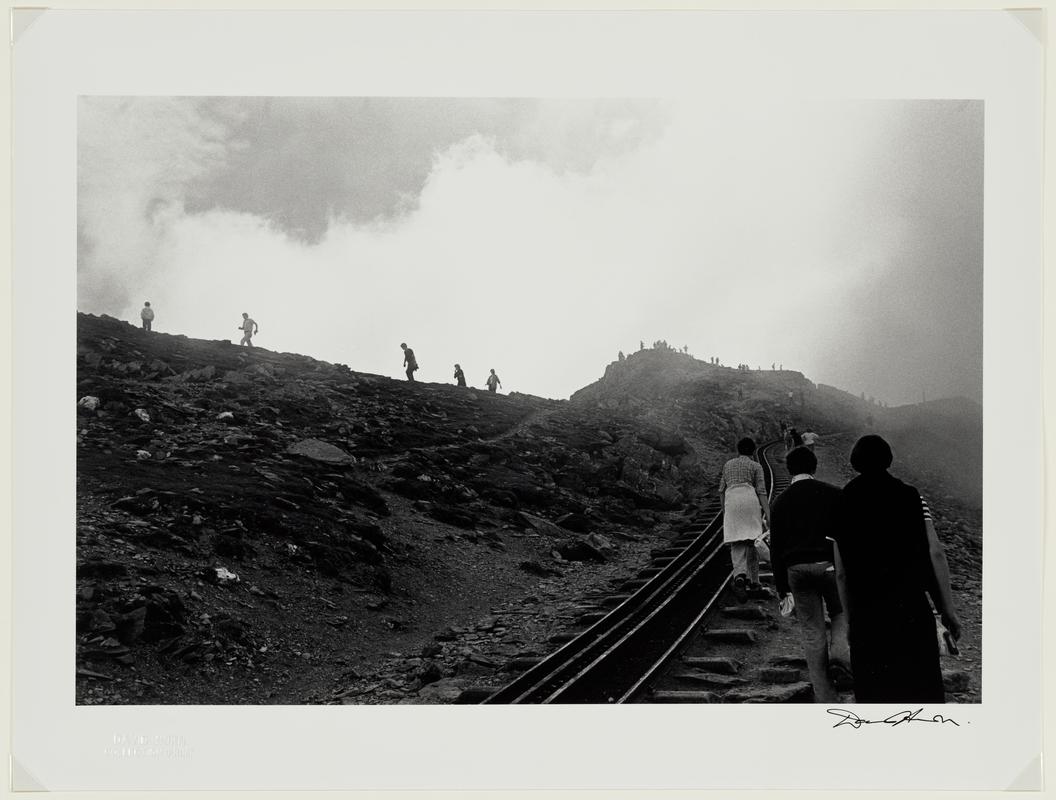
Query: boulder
pixel 318 450
pixel 542 526
pixel 579 550
pixel 536 568
pixel 579 523
pixel 667 442
pixel 130 626
pixel 445 690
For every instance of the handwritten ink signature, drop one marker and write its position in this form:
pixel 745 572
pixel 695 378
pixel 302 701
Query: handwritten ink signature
pixel 852 719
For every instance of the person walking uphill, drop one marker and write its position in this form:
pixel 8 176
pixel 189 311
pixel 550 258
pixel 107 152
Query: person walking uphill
pixel 146 315
pixel 248 328
pixel 409 361
pixel 888 560
pixel 460 376
pixel 742 491
pixel 493 381
pixel 802 561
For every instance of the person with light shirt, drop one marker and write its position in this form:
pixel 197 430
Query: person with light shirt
pixel 742 491
pixel 248 328
pixel 810 439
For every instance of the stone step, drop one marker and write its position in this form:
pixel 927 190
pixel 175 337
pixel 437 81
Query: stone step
pixel 779 675
pixel 614 600
pixel 683 696
pixel 663 560
pixel 651 572
pixel 788 660
pixel 731 635
pixel 708 678
pixel 791 693
pixel 746 613
pixel 724 666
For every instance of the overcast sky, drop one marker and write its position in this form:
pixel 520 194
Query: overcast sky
pixel 539 237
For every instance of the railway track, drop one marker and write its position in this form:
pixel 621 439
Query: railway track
pixel 654 617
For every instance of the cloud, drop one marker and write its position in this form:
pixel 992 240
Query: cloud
pixel 539 237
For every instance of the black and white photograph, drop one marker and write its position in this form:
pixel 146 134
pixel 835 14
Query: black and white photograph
pixel 376 372
pixel 342 502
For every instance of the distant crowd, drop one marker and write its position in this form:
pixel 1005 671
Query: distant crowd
pixel 661 344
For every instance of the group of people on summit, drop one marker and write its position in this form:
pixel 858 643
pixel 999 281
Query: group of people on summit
pixel 867 555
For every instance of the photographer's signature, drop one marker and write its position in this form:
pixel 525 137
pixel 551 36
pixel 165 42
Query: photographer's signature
pixel 898 718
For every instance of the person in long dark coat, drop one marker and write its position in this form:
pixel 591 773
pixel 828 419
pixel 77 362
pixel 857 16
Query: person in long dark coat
pixel 888 561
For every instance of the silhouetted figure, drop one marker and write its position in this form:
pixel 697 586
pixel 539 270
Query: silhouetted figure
pixel 248 328
pixel 773 367
pixel 460 376
pixel 742 491
pixel 804 566
pixel 888 560
pixel 493 381
pixel 797 439
pixel 621 356
pixel 146 316
pixel 409 361
pixel 641 345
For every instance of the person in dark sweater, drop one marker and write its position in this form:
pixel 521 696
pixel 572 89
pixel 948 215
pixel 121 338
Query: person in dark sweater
pixel 802 560
pixel 889 560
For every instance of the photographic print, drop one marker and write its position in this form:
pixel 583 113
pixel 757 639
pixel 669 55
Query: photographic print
pixel 332 497
pixel 430 400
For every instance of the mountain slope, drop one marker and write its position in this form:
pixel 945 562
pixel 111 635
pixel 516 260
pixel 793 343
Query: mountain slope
pixel 258 527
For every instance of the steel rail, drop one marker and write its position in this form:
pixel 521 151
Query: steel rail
pixel 615 658
pixel 639 688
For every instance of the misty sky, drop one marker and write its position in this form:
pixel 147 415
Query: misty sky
pixel 539 237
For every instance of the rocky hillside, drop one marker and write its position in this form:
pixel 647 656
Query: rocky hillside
pixel 252 524
pixel 257 527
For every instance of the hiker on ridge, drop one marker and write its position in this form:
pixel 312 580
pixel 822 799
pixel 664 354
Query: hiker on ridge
pixel 460 376
pixel 493 381
pixel 147 315
pixel 409 361
pixel 248 328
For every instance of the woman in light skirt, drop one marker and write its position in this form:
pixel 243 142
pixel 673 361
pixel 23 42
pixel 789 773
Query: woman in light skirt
pixel 742 491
